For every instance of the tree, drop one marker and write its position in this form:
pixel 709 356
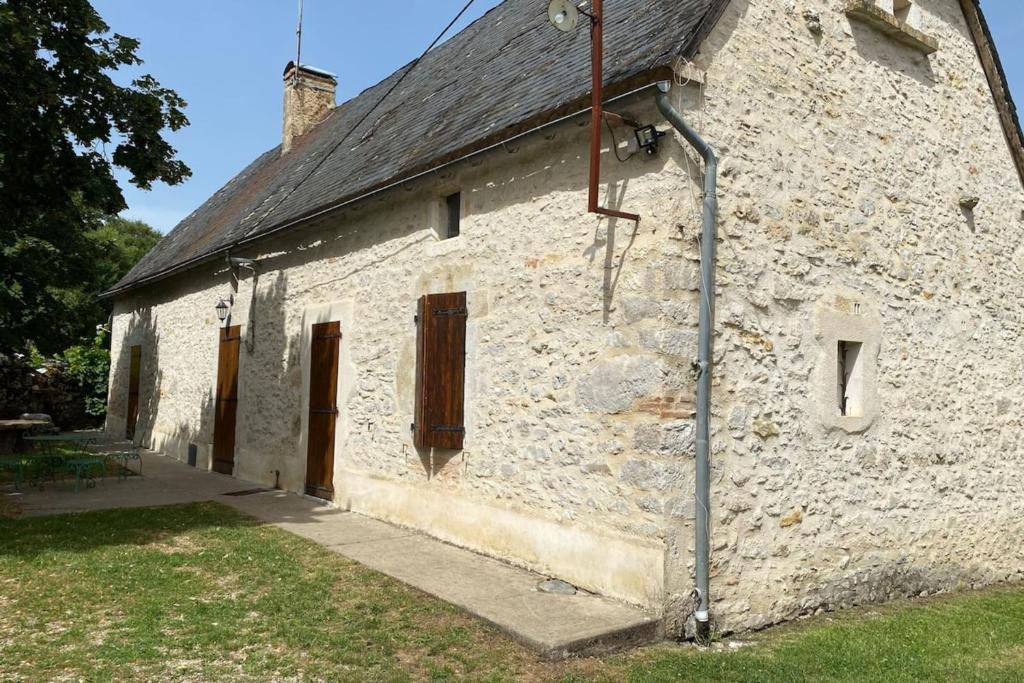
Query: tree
pixel 60 113
pixel 112 248
pixel 120 244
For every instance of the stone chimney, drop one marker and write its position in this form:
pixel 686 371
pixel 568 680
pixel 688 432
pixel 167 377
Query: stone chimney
pixel 308 99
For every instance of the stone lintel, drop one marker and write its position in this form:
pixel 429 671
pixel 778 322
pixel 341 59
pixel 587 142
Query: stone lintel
pixel 870 13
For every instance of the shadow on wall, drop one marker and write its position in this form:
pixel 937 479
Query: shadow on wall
pixel 434 460
pixel 613 265
pixel 874 46
pixel 141 332
pixel 269 423
pixel 263 396
pixel 196 433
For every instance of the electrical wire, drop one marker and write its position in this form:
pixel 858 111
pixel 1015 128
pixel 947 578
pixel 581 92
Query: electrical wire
pixel 615 144
pixel 362 119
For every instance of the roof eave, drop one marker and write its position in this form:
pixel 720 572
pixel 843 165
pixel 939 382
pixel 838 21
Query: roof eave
pixel 552 116
pixel 996 75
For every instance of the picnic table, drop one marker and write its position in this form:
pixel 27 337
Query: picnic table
pixel 80 461
pixel 12 431
pixel 50 441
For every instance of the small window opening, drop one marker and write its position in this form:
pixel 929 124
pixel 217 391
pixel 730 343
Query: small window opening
pixel 901 9
pixel 851 380
pixel 454 203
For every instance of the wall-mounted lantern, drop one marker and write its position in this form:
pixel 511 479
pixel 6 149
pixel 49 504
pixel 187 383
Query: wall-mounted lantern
pixel 222 310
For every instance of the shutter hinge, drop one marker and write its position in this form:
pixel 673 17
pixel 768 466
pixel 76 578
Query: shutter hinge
pixel 451 311
pixel 447 428
pixel 416 320
pixel 412 427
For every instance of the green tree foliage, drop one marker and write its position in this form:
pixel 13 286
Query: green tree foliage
pixel 113 247
pixel 89 366
pixel 119 243
pixel 64 125
pixel 73 388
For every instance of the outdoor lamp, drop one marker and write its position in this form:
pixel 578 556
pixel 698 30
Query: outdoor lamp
pixel 222 310
pixel 647 139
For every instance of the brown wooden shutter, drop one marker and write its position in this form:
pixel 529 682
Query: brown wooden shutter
pixel 440 371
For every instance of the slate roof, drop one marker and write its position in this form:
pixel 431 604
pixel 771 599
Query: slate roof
pixel 507 69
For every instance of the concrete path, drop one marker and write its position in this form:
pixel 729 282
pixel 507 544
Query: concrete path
pixel 506 596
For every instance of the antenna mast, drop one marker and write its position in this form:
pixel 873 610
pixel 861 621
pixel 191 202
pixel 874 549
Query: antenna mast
pixel 298 42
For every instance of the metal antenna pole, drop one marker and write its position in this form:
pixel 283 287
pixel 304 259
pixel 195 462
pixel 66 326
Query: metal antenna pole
pixel 298 42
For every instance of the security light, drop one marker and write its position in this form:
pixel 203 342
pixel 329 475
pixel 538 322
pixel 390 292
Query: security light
pixel 222 310
pixel 563 15
pixel 647 139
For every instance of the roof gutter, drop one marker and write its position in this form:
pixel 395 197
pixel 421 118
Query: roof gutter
pixel 705 360
pixel 226 250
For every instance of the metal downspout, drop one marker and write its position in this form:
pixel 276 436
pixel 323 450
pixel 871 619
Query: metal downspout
pixel 705 360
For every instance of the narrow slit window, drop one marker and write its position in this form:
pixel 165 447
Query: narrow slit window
pixel 851 379
pixel 454 205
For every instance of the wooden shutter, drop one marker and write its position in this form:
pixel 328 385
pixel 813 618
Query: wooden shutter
pixel 440 371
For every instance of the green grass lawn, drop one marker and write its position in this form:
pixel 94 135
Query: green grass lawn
pixel 203 593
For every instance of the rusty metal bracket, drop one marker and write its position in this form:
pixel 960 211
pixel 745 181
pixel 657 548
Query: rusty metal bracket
pixel 597 114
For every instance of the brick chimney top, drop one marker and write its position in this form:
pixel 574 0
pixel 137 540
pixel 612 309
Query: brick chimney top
pixel 309 96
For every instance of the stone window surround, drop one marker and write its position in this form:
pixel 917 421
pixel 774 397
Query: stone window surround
pixel 437 221
pixel 881 14
pixel 846 316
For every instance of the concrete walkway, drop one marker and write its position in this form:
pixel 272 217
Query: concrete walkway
pixel 506 596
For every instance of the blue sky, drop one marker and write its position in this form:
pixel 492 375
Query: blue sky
pixel 226 57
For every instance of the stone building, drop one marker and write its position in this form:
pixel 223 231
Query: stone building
pixel 425 324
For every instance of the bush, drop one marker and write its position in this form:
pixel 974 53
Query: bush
pixel 70 387
pixel 90 367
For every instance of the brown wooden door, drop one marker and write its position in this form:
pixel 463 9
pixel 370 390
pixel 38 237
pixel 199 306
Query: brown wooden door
pixel 134 372
pixel 226 409
pixel 323 409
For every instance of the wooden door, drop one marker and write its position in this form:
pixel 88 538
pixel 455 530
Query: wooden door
pixel 323 409
pixel 134 372
pixel 226 409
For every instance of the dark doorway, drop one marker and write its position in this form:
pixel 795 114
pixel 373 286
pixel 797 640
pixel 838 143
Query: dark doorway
pixel 227 400
pixel 134 372
pixel 323 409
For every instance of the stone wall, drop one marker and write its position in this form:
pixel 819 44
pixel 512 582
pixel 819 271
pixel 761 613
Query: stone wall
pixel 578 393
pixel 844 157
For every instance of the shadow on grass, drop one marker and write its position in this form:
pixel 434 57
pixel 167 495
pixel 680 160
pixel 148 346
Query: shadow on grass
pixel 31 537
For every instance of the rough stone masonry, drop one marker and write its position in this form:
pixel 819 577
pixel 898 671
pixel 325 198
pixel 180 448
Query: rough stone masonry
pixel 844 158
